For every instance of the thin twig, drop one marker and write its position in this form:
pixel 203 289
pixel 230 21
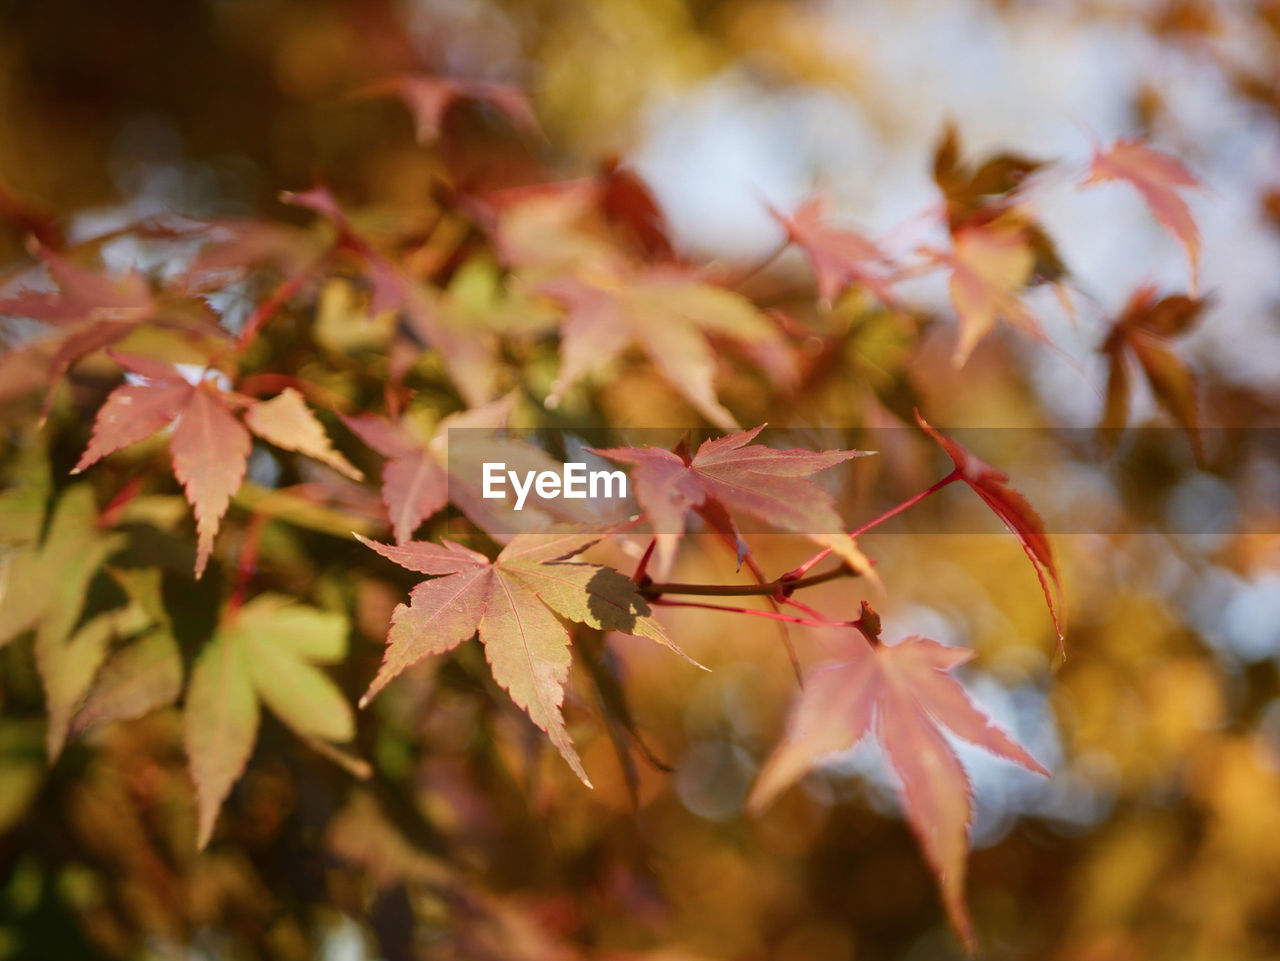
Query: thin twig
pixel 772 588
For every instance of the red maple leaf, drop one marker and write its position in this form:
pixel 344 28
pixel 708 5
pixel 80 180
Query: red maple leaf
pixel 1018 515
pixel 421 477
pixel 1142 332
pixel 904 694
pixel 93 310
pixel 1158 177
pixel 839 256
pixel 726 477
pixel 209 446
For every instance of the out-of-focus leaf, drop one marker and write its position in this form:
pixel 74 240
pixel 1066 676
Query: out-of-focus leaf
pixel 420 478
pixel 44 586
pixel 1141 332
pixel 627 203
pixel 135 680
pixel 265 652
pixel 467 358
pixel 68 666
pixel 990 264
pixel 286 421
pixel 1158 177
pixel 839 256
pixel 977 193
pixel 670 314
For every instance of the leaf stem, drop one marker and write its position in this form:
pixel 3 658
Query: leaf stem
pixel 771 615
pixel 655 589
pixel 750 271
pixel 908 503
pixel 247 564
pixel 269 307
pixel 798 574
pixel 640 576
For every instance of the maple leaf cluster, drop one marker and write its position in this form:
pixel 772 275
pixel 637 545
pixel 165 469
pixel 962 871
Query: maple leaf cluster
pixel 498 308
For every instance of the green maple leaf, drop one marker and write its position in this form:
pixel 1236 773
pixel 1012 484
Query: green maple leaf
pixel 266 653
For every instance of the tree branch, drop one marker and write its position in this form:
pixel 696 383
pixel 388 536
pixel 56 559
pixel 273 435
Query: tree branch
pixel 655 589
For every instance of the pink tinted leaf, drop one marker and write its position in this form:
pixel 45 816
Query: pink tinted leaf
pixel 1157 177
pixel 414 487
pixel 427 558
pixel 1141 332
pixel 210 451
pixel 1172 382
pixel 990 264
pixel 840 257
pixel 133 412
pixel 905 693
pixel 1017 514
pixel 379 434
pixel 771 486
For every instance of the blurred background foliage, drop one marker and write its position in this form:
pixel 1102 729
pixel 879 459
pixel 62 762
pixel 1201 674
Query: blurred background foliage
pixel 1159 834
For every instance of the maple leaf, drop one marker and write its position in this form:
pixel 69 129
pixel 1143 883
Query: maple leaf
pixel 134 680
pixel 670 314
pixel 287 422
pixel 629 205
pixel 1141 332
pixel 267 652
pixel 1018 515
pixel 92 310
pixel 512 603
pixel 429 98
pixel 420 478
pixel 45 584
pixel 984 210
pixel 1158 177
pixel 550 230
pixel 68 667
pixel 726 477
pixel 145 673
pixel 990 264
pixel 904 694
pixel 979 192
pixel 83 294
pixel 45 589
pixel 209 446
pixel 236 247
pixel 467 358
pixel 840 257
